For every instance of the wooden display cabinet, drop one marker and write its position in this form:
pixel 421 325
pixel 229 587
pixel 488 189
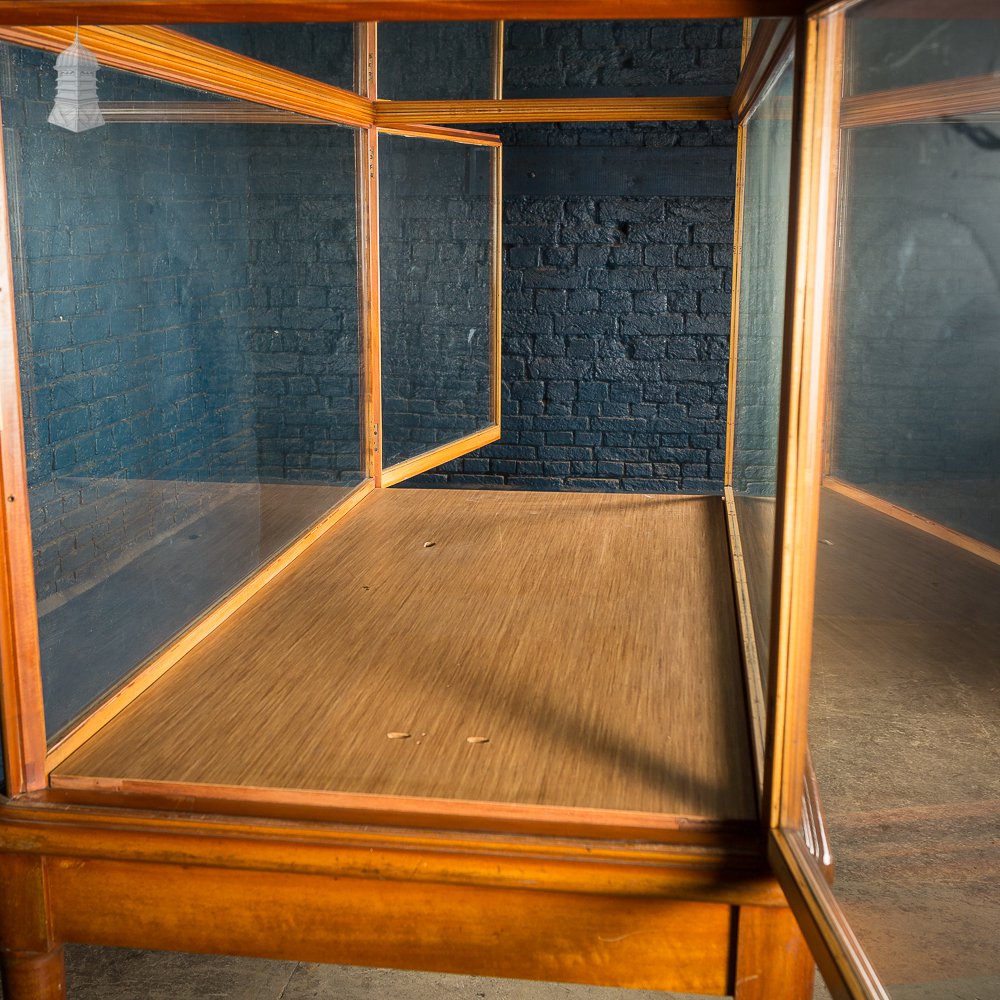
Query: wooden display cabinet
pixel 604 775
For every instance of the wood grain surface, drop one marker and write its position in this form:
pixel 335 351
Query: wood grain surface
pixel 591 109
pixel 590 637
pixel 191 11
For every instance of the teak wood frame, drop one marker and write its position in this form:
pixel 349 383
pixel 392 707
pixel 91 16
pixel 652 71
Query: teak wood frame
pixel 61 861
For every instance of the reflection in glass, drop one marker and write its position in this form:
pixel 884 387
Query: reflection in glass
pixel 188 332
pixel 904 713
pixel 916 416
pixel 891 45
pixel 435 245
pixel 435 60
pixel 763 259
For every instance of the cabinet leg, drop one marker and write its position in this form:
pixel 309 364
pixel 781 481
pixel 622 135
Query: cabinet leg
pixel 29 976
pixel 772 957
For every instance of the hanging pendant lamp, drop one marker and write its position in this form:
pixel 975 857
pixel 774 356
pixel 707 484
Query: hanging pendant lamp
pixel 76 106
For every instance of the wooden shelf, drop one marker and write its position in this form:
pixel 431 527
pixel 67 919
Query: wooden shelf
pixel 590 637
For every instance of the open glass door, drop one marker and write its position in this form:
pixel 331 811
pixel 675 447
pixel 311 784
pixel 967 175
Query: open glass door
pixel 439 196
pixel 887 560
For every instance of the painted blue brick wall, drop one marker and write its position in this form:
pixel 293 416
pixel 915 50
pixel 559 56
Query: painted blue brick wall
pixel 302 341
pixel 153 264
pixel 617 269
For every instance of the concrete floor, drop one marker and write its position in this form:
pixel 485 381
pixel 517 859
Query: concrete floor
pixel 122 974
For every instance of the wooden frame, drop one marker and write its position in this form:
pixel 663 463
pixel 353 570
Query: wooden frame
pixel 23 719
pixel 974 95
pixel 167 11
pixel 593 109
pixel 841 959
pixel 450 450
pixel 64 845
pixel 769 48
pixel 177 58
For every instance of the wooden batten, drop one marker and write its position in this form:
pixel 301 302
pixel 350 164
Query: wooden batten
pixel 163 661
pixel 771 44
pixel 176 58
pixel 787 695
pixel 191 11
pixel 498 63
pixel 753 678
pixel 603 109
pixel 369 289
pixel 438 456
pixel 734 314
pixel 465 136
pixel 971 95
pixel 405 811
pixel 21 706
pixel 496 296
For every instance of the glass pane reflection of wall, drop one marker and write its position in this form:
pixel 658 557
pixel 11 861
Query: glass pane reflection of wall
pixel 766 193
pixel 188 331
pixel 905 703
pixel 435 246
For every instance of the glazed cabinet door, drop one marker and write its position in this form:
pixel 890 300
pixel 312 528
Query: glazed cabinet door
pixel 882 625
pixel 439 284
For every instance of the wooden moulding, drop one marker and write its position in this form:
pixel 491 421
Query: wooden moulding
pixel 192 11
pixel 162 662
pixel 925 524
pixel 498 51
pixel 845 967
pixel 371 276
pixel 369 288
pixel 753 679
pixel 800 458
pixel 465 136
pixel 733 872
pixel 797 863
pixel 438 456
pixel 177 58
pixel 197 112
pixel 424 813
pixel 924 102
pixel 604 109
pixel 771 44
pixel 496 296
pixel 21 706
pixel 734 321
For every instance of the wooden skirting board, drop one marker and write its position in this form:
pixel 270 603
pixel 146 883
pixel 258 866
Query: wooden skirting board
pixel 588 639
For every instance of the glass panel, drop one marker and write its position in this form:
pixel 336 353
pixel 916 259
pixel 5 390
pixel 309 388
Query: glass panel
pixel 188 330
pixel 439 61
pixel 917 358
pixel 324 52
pixel 891 45
pixel 904 714
pixel 621 58
pixel 436 246
pixel 766 194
